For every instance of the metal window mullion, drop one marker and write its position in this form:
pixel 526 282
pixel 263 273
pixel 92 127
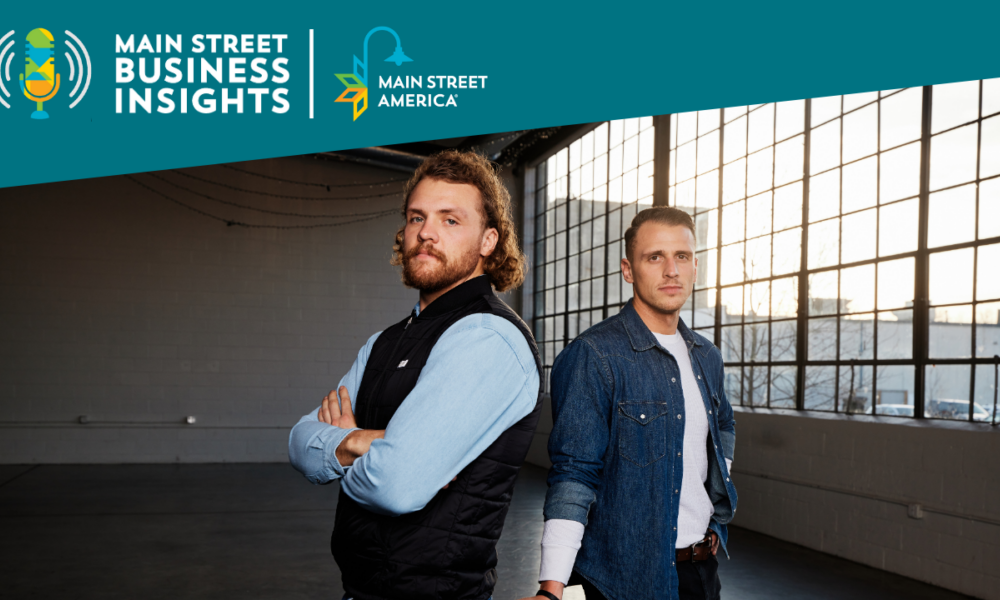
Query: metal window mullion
pixel 975 256
pixel 607 226
pixel 840 256
pixel 717 334
pixel 802 319
pixel 921 302
pixel 661 160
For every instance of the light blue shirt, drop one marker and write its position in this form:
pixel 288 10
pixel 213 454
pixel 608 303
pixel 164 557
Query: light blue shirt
pixel 479 380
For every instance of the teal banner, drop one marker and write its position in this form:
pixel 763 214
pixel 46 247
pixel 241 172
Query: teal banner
pixel 95 89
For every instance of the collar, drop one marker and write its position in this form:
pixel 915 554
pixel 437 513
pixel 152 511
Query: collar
pixel 457 297
pixel 642 338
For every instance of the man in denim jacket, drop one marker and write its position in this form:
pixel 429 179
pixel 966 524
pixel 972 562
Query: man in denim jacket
pixel 639 490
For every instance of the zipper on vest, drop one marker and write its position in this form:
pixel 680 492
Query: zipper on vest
pixel 377 388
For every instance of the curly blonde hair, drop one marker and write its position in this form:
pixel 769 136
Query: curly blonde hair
pixel 506 265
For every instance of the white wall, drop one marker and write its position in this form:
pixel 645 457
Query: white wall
pixel 120 305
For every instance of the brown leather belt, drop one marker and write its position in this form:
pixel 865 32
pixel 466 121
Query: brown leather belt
pixel 700 551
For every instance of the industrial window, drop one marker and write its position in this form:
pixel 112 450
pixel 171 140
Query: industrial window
pixel 584 198
pixel 847 245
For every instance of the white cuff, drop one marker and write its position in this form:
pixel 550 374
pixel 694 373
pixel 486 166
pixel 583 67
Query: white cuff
pixel 561 541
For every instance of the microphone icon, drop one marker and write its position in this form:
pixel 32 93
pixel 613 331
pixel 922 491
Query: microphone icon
pixel 39 82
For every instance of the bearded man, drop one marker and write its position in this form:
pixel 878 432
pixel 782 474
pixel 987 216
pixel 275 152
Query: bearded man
pixel 428 429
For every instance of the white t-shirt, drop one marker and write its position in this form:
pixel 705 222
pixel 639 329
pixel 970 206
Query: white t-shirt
pixel 562 538
pixel 696 508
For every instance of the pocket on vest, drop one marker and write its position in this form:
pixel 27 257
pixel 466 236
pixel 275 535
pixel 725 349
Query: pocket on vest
pixel 642 431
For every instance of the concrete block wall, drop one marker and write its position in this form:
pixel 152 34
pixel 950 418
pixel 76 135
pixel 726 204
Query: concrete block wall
pixel 843 485
pixel 118 304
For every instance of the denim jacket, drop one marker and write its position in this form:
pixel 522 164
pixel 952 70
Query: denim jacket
pixel 618 430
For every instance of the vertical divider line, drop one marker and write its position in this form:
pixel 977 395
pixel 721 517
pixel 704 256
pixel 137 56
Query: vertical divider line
pixel 921 302
pixel 802 319
pixel 312 89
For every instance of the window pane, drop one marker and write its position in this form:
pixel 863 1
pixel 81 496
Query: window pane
pixel 901 118
pixel 708 152
pixel 898 228
pixel 732 264
pixel 900 174
pixel 704 308
pixel 895 284
pixel 989 151
pixel 985 410
pixel 755 342
pixel 759 215
pixel 733 225
pixel 823 339
pixel 947 392
pixel 760 171
pixel 895 391
pixel 953 157
pixel 789 160
pixel 708 120
pixel 686 156
pixel 783 387
pixel 951 332
pixel 758 258
pixel 732 304
pixel 855 389
pixel 755 385
pixel 687 127
pixel 951 277
pixel 852 101
pixel 732 343
pixel 783 340
pixel 952 217
pixel 895 334
pixel 991 96
pixel 761 128
pixel 708 191
pixel 757 301
pixel 860 185
pixel 857 289
pixel 824 196
pixel 734 179
pixel 734 383
pixel 859 236
pixel 790 118
pixel 824 152
pixel 706 269
pixel 988 329
pixel 824 109
pixel 988 277
pixel 824 243
pixel 787 251
pixel 820 388
pixel 861 133
pixel 857 337
pixel 954 104
pixel 735 145
pixel 707 227
pixel 788 206
pixel 784 298
pixel 823 293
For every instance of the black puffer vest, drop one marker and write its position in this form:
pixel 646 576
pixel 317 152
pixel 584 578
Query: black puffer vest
pixel 447 550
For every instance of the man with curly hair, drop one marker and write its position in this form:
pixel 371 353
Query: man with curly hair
pixel 428 429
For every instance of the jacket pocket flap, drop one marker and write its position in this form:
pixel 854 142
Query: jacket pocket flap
pixel 643 412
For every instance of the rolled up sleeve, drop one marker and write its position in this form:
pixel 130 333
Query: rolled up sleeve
pixel 312 444
pixel 581 409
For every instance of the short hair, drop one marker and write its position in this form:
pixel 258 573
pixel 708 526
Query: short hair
pixel 506 265
pixel 666 215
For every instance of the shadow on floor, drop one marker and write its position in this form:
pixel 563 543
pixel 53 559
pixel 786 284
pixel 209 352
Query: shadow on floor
pixel 262 531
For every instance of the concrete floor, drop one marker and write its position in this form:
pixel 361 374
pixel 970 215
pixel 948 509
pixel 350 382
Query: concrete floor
pixel 262 531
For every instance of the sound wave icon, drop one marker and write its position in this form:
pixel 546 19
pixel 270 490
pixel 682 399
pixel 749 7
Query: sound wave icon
pixel 78 63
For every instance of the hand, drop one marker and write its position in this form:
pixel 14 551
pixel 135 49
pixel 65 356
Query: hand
pixel 337 411
pixel 450 482
pixel 715 543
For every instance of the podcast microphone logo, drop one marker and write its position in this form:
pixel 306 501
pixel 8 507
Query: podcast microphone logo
pixel 39 82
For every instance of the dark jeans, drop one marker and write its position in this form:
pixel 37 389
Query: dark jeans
pixel 696 581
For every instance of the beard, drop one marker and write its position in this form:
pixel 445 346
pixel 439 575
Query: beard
pixel 430 277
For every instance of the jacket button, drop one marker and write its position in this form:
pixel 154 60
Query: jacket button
pixel 709 412
pixel 699 377
pixel 673 380
pixel 642 416
pixel 678 416
pixel 678 454
pixel 727 479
